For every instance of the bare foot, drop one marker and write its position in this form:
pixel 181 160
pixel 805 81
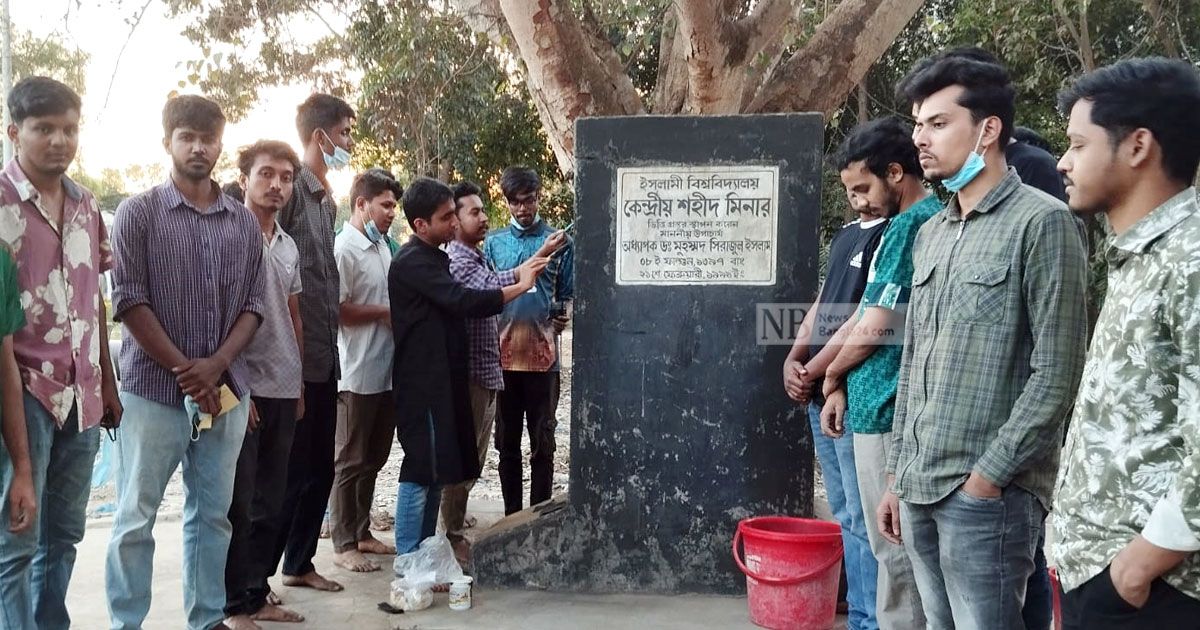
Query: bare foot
pixel 271 612
pixel 353 560
pixel 440 588
pixel 241 622
pixel 370 544
pixel 312 579
pixel 273 599
pixel 325 531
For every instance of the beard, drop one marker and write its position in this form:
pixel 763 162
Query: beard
pixel 193 170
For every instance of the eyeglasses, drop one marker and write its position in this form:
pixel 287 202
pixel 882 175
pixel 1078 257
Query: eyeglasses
pixel 528 201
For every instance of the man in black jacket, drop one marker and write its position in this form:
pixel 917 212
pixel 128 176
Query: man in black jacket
pixel 429 379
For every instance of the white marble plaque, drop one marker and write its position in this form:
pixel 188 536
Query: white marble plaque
pixel 697 225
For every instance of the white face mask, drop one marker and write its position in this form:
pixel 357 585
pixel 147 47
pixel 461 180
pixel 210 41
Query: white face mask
pixel 339 159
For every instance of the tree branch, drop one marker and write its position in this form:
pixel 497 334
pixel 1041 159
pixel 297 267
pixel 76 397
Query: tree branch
pixel 702 26
pixel 837 57
pixel 670 88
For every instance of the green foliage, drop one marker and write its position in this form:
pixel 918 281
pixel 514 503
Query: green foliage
pixel 46 56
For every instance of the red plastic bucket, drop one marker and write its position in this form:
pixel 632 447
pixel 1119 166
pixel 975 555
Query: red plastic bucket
pixel 792 567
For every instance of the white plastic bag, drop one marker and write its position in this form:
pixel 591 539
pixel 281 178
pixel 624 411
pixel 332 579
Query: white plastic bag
pixel 413 592
pixel 435 555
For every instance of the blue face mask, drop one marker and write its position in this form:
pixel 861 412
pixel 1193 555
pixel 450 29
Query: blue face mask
pixel 340 158
pixel 373 233
pixel 970 169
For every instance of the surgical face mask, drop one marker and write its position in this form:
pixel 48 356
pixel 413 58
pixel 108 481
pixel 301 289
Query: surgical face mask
pixel 373 233
pixel 514 223
pixel 970 169
pixel 340 158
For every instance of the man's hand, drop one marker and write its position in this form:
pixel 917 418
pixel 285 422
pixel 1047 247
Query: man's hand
pixel 529 270
pixel 559 323
pixel 22 506
pixel 1136 567
pixel 795 382
pixel 300 406
pixel 210 402
pixel 887 515
pixel 981 488
pixel 252 422
pixel 199 375
pixel 551 244
pixel 833 414
pixel 112 407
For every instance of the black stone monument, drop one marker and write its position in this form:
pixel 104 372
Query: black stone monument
pixel 680 426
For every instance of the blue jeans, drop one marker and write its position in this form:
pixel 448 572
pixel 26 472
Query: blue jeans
pixel 35 567
pixel 1039 598
pixel 417 507
pixel 153 441
pixel 972 557
pixel 841 486
pixel 416 515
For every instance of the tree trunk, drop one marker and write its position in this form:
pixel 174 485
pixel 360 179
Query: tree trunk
pixel 566 76
pixel 710 62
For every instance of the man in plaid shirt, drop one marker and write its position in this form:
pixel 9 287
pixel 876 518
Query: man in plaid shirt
pixel 469 267
pixel 993 353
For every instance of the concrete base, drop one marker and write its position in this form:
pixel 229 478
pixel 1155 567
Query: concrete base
pixel 495 609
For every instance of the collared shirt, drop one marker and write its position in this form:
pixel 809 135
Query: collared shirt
pixel 366 350
pixel 994 345
pixel 58 351
pixel 871 386
pixel 528 342
pixel 308 219
pixel 197 269
pixel 273 356
pixel 1132 460
pixel 468 266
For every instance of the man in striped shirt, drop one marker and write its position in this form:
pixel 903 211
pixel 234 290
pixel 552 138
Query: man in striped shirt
pixel 468 266
pixel 188 288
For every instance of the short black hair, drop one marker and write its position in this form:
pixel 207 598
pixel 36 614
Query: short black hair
pixel 879 143
pixel 373 182
pixel 423 198
pixel 193 112
pixel 41 96
pixel 987 88
pixel 1155 93
pixel 465 189
pixel 273 148
pixel 519 180
pixel 320 111
pixel 1032 138
pixel 234 189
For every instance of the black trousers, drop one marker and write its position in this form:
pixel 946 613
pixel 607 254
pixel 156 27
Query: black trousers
pixel 1097 606
pixel 258 492
pixel 528 402
pixel 309 480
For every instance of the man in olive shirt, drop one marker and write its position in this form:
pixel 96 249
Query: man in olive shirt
pixel 324 123
pixel 1126 528
pixel 993 352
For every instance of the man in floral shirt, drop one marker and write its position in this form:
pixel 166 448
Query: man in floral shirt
pixel 1126 527
pixel 54 229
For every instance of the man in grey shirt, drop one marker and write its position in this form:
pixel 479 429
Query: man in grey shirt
pixel 324 123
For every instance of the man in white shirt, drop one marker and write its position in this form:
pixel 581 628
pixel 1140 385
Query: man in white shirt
pixel 366 412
